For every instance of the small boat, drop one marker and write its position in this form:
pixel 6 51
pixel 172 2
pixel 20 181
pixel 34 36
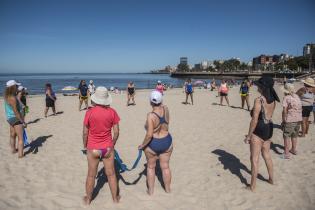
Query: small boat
pixel 69 88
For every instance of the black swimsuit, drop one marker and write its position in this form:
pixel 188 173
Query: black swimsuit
pixel 264 127
pixel 131 90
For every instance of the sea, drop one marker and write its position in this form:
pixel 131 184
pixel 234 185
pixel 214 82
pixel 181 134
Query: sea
pixel 35 83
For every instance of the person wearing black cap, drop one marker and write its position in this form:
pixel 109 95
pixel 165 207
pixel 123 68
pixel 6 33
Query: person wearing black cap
pixel 261 128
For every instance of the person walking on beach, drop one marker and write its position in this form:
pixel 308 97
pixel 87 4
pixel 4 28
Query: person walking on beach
pixel 50 99
pixel 91 88
pixel 14 116
pixel 189 90
pixel 213 85
pixel 131 92
pixel 157 143
pixel 291 119
pixel 83 94
pixel 306 94
pixel 223 92
pixel 261 128
pixel 99 123
pixel 244 92
pixel 159 87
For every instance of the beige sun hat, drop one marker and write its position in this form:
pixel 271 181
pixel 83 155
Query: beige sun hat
pixel 102 96
pixel 288 88
pixel 309 81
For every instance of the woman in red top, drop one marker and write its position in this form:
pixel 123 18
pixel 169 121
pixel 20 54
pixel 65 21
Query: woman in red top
pixel 99 122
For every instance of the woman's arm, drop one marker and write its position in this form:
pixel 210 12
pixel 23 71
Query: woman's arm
pixel 167 114
pixel 116 133
pixel 300 92
pixel 253 122
pixel 284 114
pixel 85 135
pixel 149 134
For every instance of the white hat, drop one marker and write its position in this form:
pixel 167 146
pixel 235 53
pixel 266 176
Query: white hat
pixel 102 96
pixel 309 81
pixel 12 83
pixel 288 88
pixel 20 88
pixel 156 97
pixel 159 81
pixel 91 81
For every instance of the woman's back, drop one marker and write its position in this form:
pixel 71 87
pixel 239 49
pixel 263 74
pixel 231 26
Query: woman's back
pixel 307 97
pixel 100 121
pixel 9 109
pixel 160 122
pixel 267 108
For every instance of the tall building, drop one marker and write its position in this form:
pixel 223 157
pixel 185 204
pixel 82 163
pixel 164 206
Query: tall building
pixel 183 60
pixel 308 49
pixel 309 52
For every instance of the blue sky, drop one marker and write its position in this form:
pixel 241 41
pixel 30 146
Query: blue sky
pixel 137 36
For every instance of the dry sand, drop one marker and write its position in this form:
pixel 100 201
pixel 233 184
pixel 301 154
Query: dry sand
pixel 210 162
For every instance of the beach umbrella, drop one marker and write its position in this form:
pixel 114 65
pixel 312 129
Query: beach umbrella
pixel 69 88
pixel 199 82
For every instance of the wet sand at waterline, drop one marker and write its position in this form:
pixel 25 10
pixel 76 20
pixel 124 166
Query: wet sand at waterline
pixel 210 163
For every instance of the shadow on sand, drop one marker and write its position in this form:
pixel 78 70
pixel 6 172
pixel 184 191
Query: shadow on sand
pixel 34 121
pixel 102 178
pixel 34 145
pixel 234 165
pixel 57 113
pixel 217 104
pixel 274 147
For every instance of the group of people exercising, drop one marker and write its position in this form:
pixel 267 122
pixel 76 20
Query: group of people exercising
pixel 101 128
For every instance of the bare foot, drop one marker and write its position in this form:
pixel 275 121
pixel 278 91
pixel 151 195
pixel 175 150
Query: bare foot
pixel 150 192
pixel 293 152
pixel 270 181
pixel 86 200
pixel 168 190
pixel 21 156
pixel 250 188
pixel 14 151
pixel 117 199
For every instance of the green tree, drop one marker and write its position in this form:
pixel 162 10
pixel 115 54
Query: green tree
pixel 182 67
pixel 217 64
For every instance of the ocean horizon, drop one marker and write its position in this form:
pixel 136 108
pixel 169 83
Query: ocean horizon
pixel 35 82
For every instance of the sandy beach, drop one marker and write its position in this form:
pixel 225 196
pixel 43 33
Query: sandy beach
pixel 210 163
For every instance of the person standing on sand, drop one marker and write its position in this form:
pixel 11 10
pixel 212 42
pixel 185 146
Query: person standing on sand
pixel 306 94
pixel 157 143
pixel 159 87
pixel 291 119
pixel 261 128
pixel 189 90
pixel 14 116
pixel 91 88
pixel 223 92
pixel 131 92
pixel 50 99
pixel 83 94
pixel 244 92
pixel 213 85
pixel 21 96
pixel 99 123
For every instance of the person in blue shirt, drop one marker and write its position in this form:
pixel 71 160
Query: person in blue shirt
pixel 83 94
pixel 189 89
pixel 244 92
